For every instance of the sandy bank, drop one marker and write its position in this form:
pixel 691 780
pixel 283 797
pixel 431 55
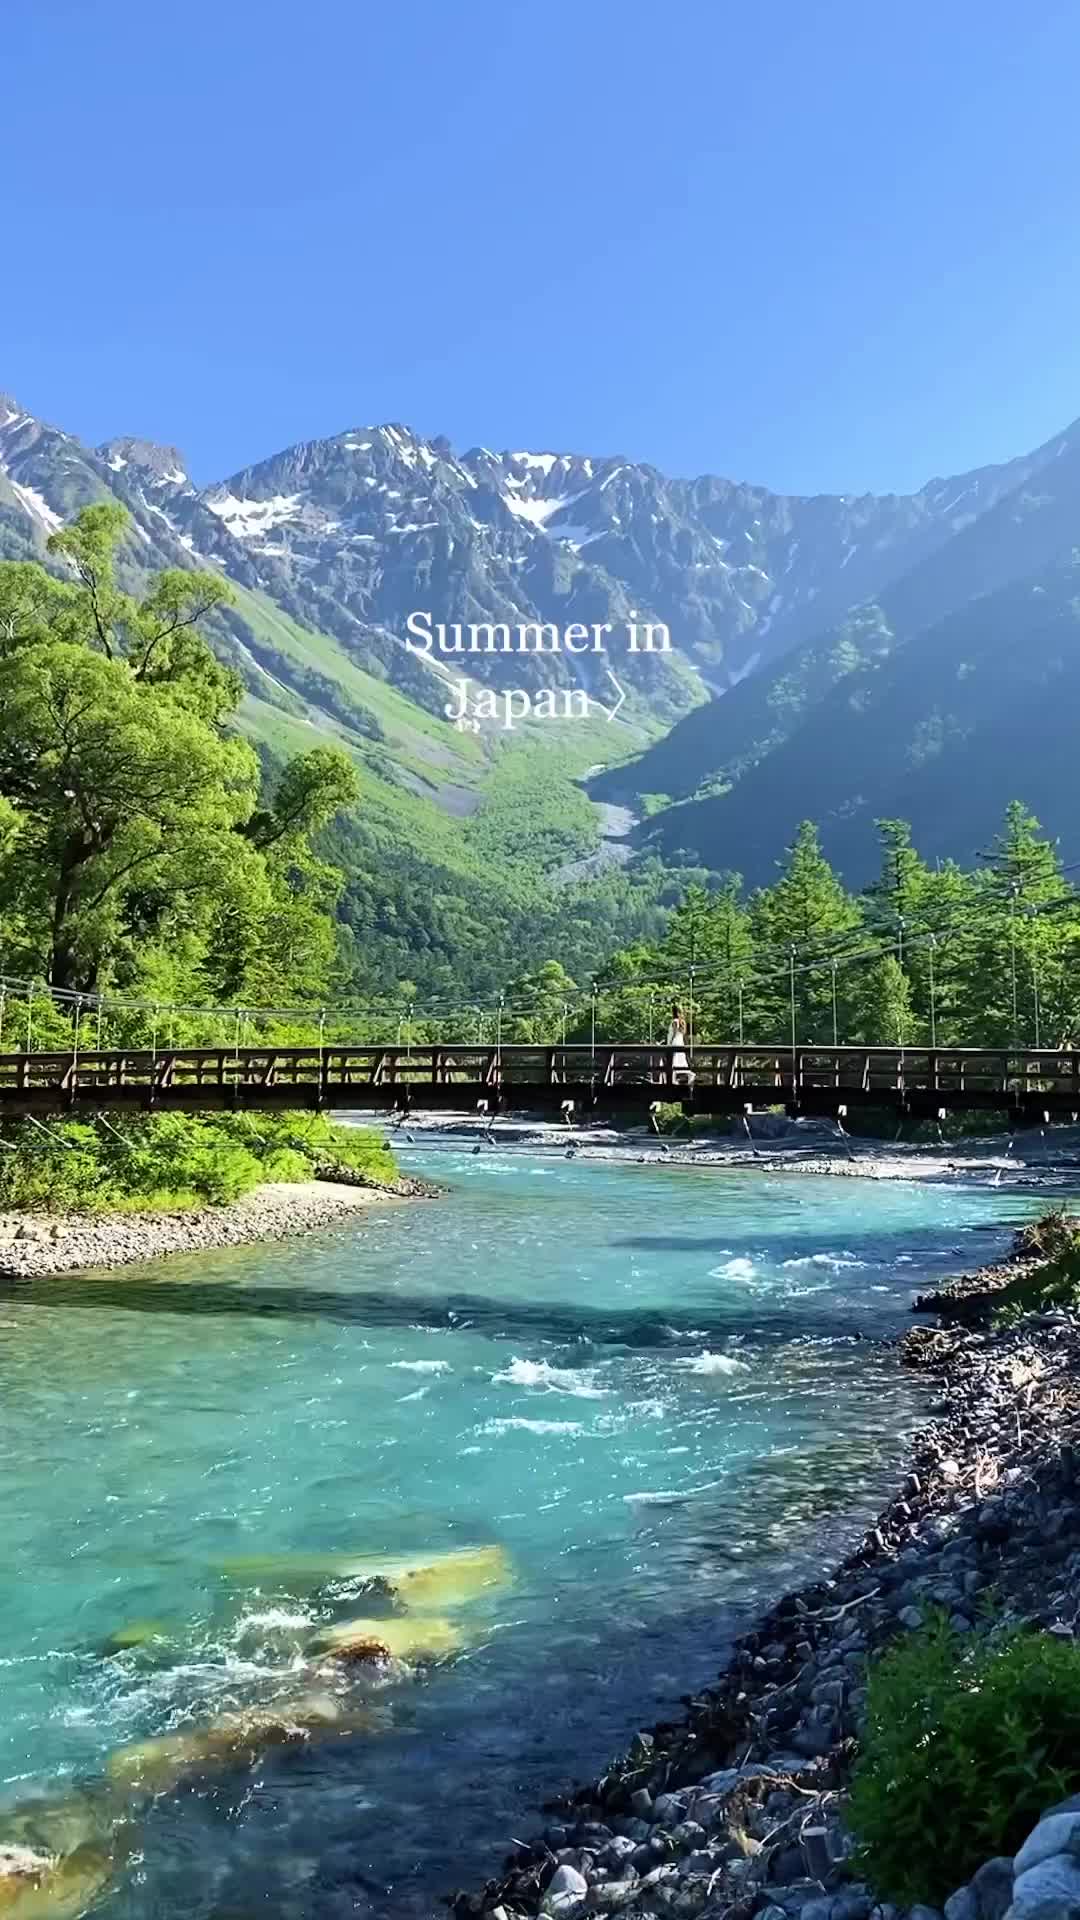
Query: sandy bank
pixel 33 1246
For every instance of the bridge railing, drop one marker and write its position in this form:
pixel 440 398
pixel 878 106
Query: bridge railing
pixel 765 1075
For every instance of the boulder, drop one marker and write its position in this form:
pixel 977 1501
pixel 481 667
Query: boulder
pixel 137 1633
pixel 1055 1833
pixel 1048 1891
pixel 234 1740
pixel 421 1580
pixel 992 1887
pixel 566 1893
pixel 398 1636
pixel 62 1889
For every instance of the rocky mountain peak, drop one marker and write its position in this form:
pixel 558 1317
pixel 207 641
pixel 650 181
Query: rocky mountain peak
pixel 157 465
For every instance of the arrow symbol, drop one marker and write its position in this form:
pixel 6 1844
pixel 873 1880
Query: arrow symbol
pixel 621 691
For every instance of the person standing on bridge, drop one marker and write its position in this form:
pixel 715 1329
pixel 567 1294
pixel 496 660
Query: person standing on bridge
pixel 676 1037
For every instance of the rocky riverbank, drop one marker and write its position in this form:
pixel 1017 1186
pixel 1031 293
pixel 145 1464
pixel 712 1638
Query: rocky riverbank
pixel 33 1246
pixel 737 1810
pixel 1042 1159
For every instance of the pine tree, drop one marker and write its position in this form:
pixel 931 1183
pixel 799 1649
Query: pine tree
pixel 1019 969
pixel 799 924
pixel 885 1017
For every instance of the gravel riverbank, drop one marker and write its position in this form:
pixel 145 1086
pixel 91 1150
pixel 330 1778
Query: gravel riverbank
pixel 1040 1159
pixel 737 1810
pixel 33 1246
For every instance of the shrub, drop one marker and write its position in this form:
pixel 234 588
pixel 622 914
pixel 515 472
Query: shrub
pixel 322 1145
pixel 967 1741
pixel 1056 1283
pixel 1049 1237
pixel 284 1163
pixel 179 1152
pixel 171 1159
pixel 57 1165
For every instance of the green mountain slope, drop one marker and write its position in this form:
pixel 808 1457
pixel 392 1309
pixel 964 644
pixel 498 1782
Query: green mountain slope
pixel 941 731
pixel 1029 526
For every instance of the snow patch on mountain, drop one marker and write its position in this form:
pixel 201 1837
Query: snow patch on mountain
pixel 544 461
pixel 539 511
pixel 37 506
pixel 247 519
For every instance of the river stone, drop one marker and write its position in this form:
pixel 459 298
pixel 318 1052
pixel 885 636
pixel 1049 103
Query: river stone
pixel 566 1892
pixel 911 1618
pixel 24 1863
pixel 605 1899
pixel 700 1861
pixel 617 1849
pixel 1055 1833
pixel 688 1833
pixel 1049 1891
pixel 993 1888
pixel 962 1905
pixel 924 1913
pixel 815 1741
pixel 853 1905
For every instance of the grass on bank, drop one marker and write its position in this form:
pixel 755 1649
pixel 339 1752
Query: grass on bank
pixel 1054 1240
pixel 968 1740
pixel 175 1160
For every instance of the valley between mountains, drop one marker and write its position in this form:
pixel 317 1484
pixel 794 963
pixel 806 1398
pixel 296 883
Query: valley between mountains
pixel 840 658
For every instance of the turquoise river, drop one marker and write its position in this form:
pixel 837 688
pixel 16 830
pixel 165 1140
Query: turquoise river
pixel 662 1393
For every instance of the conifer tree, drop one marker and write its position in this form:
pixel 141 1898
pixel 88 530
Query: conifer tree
pixel 799 925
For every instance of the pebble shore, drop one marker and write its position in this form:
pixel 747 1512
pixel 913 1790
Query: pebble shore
pixel 737 1810
pixel 35 1246
pixel 1037 1160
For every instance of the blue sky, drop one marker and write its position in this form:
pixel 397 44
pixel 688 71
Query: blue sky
pixel 817 244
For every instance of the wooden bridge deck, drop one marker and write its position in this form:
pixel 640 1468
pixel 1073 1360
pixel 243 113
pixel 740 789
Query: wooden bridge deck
pixel 1026 1082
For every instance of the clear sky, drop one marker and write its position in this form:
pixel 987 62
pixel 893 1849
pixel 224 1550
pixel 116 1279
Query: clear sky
pixel 821 244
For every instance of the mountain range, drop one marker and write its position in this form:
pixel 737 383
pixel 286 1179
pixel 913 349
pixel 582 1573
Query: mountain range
pixel 841 657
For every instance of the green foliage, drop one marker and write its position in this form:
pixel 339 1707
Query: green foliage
pixel 324 1147
pixel 1055 1240
pixel 178 1152
pixel 174 1159
pixel 929 722
pixel 130 819
pixel 547 994
pixel 924 956
pixel 1054 1233
pixel 807 912
pixel 967 1741
pixel 884 1012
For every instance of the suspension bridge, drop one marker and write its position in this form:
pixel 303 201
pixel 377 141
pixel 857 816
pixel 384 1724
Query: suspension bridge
pixel 580 1080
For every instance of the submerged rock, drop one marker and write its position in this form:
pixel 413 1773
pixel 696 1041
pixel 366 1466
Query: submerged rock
pixel 57 1855
pixel 236 1739
pixel 421 1580
pixel 36 1887
pixel 399 1637
pixel 137 1633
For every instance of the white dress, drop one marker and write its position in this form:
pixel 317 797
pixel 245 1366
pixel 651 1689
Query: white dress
pixel 676 1037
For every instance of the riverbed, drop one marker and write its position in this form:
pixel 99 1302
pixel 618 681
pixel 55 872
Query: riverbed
pixel 661 1392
